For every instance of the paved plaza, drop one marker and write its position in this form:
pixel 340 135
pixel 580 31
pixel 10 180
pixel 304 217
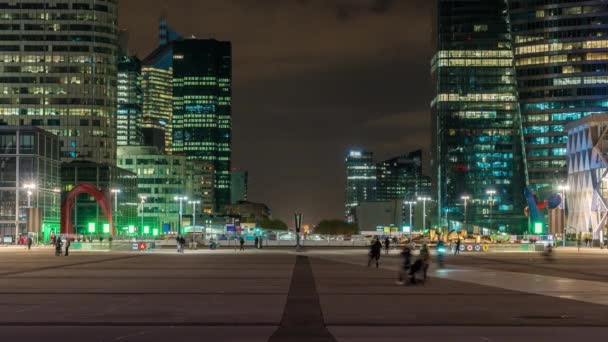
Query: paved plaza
pixel 278 295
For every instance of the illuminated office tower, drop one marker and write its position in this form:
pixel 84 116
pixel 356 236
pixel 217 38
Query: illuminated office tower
pixel 58 62
pixel 130 102
pixel 360 181
pixel 561 61
pixel 202 128
pixel 157 86
pixel 476 140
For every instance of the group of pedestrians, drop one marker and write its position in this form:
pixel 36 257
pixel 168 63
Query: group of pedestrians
pixel 409 267
pixel 58 243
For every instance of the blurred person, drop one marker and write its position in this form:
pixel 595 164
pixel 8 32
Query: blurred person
pixel 406 262
pixel 374 252
pixel 387 245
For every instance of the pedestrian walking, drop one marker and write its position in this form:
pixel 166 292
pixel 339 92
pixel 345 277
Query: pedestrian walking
pixel 68 243
pixel 242 243
pixel 257 242
pixel 110 239
pixel 374 252
pixel 387 245
pixel 58 245
pixel 29 243
pixel 457 249
pixel 406 262
pixel 261 242
pixel 578 243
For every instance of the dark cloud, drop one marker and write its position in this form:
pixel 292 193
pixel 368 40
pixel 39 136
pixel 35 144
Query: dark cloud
pixel 308 86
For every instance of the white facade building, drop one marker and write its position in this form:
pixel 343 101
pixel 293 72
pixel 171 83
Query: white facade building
pixel 588 175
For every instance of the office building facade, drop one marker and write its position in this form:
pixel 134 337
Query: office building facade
pixel 476 136
pixel 157 86
pixel 161 177
pixel 401 178
pixel 58 62
pixel 130 102
pixel 202 90
pixel 29 179
pixel 360 181
pixel 561 61
pixel 238 188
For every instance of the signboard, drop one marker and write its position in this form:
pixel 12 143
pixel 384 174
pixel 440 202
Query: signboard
pixel 146 229
pixel 155 232
pixel 406 229
pixel 230 228
pixel 91 227
pixel 166 228
pixel 7 239
pixel 106 228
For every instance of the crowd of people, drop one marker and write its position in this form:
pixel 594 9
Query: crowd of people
pixel 409 267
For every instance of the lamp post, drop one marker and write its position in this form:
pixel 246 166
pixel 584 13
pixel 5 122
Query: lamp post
pixel 143 201
pixel 464 220
pixel 411 203
pixel 491 193
pixel 194 203
pixel 423 199
pixel 115 213
pixel 29 187
pixel 180 199
pixel 563 188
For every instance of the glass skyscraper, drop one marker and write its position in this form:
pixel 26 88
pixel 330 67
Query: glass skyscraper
pixel 157 86
pixel 561 61
pixel 360 181
pixel 58 72
pixel 130 102
pixel 476 140
pixel 202 90
pixel 401 178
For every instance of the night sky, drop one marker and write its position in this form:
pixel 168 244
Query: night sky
pixel 311 79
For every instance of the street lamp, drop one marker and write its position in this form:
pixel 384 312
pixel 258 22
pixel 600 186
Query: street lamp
pixel 115 214
pixel 423 199
pixel 29 187
pixel 465 199
pixel 194 203
pixel 491 193
pixel 180 199
pixel 143 201
pixel 563 188
pixel 411 203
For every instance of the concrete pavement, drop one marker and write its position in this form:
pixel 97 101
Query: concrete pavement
pixel 276 295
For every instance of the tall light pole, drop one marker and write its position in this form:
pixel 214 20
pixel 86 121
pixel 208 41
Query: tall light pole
pixel 465 200
pixel 194 203
pixel 491 193
pixel 29 187
pixel 411 203
pixel 563 188
pixel 115 213
pixel 423 199
pixel 143 201
pixel 180 199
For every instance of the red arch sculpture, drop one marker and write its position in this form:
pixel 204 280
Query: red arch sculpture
pixel 67 206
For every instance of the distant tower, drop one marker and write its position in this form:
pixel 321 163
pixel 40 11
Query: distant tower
pixel 360 181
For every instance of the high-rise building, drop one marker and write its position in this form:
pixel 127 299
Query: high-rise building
pixel 401 178
pixel 130 102
pixel 58 62
pixel 239 184
pixel 562 71
pixel 360 181
pixel 476 138
pixel 202 128
pixel 157 86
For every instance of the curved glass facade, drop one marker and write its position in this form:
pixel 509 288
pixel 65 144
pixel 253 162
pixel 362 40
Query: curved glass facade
pixel 561 60
pixel 58 71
